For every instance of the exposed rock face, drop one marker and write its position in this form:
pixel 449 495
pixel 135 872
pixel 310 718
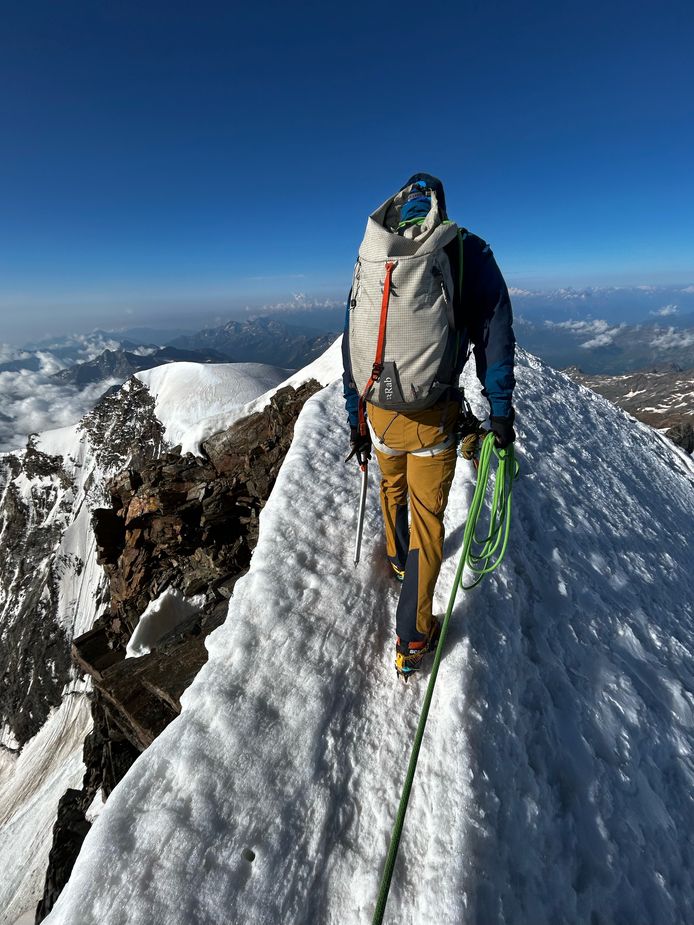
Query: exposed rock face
pixel 35 652
pixel 45 501
pixel 683 435
pixel 73 828
pixel 123 428
pixel 181 522
pixel 191 523
pixel 108 755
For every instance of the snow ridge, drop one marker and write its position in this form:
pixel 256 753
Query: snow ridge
pixel 555 782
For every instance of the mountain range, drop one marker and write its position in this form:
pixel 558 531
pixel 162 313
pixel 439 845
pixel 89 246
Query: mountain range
pixel 663 399
pixel 121 364
pixel 601 348
pixel 260 340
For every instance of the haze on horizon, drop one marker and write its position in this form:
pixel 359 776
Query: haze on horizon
pixel 163 164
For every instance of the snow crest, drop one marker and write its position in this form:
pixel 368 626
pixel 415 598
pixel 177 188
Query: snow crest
pixel 195 400
pixel 556 781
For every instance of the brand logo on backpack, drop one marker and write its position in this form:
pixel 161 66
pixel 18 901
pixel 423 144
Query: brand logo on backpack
pixel 388 389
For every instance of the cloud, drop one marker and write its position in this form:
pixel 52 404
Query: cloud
pixel 666 310
pixel 601 340
pixel 517 293
pixel 299 302
pixel 8 353
pixel 81 347
pixel 596 326
pixel 671 338
pixel 688 289
pixel 603 333
pixel 33 401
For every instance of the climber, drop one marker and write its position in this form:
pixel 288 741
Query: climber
pixel 424 293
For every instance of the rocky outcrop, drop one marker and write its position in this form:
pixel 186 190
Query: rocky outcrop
pixel 35 655
pixel 683 435
pixel 123 428
pixel 107 755
pixel 188 522
pixel 73 827
pixel 45 499
pixel 180 522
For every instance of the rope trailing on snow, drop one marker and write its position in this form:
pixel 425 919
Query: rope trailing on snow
pixel 482 563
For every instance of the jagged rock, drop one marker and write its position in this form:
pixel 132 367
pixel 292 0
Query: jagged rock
pixel 109 531
pixel 35 654
pixel 37 464
pixel 108 755
pixel 41 496
pixel 265 433
pixel 94 654
pixel 187 523
pixel 174 521
pixel 69 832
pixel 683 435
pixel 123 427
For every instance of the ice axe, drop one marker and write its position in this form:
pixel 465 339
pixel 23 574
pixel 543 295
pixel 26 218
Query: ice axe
pixel 364 466
pixel 362 450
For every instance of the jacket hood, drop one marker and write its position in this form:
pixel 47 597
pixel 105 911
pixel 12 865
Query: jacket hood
pixel 433 183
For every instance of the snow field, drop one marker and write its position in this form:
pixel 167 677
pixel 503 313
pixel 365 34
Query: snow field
pixel 47 766
pixel 195 400
pixel 555 779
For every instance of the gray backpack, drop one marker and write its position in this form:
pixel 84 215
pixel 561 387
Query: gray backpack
pixel 402 338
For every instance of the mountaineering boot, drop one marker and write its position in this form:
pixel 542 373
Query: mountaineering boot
pixel 409 656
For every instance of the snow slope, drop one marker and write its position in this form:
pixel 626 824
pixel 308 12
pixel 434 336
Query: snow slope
pixel 30 789
pixel 196 400
pixel 556 778
pixel 90 453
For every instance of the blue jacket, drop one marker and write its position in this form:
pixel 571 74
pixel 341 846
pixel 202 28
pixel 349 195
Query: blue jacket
pixel 484 317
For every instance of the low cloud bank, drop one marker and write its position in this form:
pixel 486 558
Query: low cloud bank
pixel 30 400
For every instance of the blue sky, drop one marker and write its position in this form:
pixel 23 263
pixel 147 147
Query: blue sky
pixel 205 154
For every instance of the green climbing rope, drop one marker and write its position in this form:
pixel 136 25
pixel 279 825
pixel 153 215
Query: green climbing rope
pixel 492 548
pixel 482 562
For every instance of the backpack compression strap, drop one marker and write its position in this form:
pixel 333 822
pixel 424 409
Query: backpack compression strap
pixel 380 348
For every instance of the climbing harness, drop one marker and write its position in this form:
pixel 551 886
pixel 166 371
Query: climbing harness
pixel 482 563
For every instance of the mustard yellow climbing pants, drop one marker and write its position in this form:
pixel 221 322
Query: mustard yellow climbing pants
pixel 416 453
